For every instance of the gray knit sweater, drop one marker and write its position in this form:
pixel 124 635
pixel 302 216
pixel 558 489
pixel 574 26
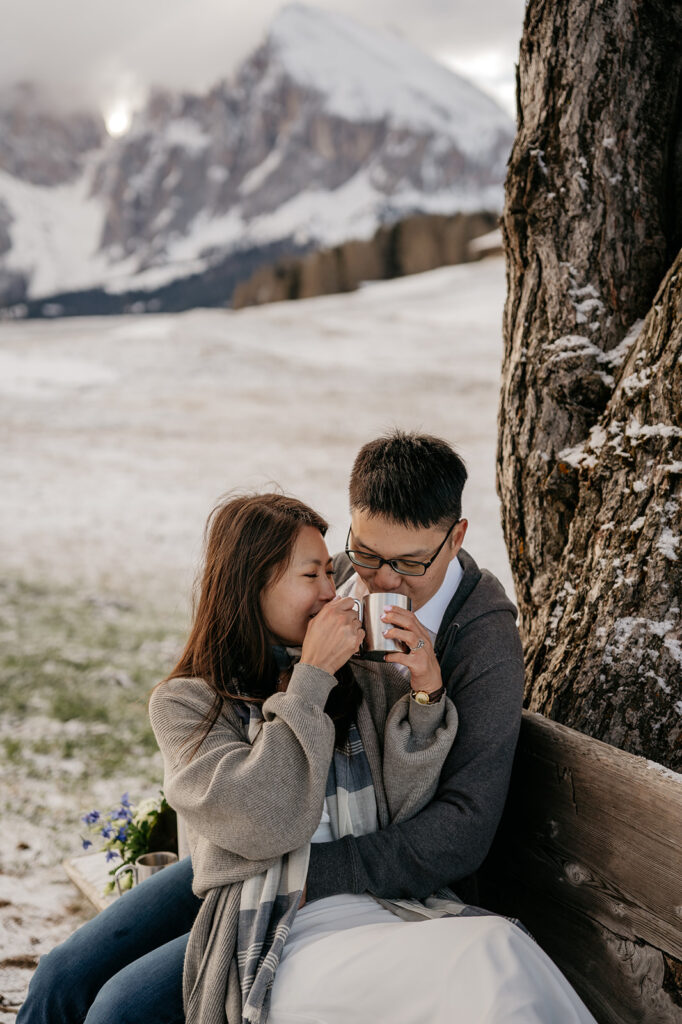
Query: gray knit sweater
pixel 244 806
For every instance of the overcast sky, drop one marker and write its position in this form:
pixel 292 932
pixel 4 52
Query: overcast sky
pixel 105 51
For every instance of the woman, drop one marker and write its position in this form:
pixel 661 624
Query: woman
pixel 270 741
pixel 260 754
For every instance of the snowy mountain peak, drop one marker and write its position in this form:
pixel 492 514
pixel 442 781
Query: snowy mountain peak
pixel 40 143
pixel 367 74
pixel 329 130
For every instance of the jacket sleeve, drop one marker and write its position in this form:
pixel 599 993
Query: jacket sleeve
pixel 449 839
pixel 256 800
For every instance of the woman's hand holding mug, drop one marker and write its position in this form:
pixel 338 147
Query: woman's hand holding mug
pixel 333 635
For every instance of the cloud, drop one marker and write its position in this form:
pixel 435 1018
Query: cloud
pixel 88 52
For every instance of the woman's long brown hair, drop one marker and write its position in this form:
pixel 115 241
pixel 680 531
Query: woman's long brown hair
pixel 249 542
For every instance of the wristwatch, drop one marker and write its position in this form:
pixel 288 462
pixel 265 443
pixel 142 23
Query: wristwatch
pixel 422 697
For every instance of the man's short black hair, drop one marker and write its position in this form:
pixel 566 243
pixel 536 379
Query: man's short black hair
pixel 414 479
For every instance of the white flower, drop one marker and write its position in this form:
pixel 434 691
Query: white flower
pixel 145 809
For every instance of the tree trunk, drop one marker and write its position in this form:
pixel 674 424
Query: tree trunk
pixel 590 454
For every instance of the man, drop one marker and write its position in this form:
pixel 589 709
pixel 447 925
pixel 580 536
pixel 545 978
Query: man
pixel 406 537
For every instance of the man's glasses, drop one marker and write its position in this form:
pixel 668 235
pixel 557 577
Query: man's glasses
pixel 404 566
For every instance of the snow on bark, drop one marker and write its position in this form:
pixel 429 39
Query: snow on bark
pixel 591 407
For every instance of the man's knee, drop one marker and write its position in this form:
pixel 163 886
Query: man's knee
pixel 109 1006
pixel 119 1003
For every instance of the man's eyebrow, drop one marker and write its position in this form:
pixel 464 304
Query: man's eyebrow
pixel 369 550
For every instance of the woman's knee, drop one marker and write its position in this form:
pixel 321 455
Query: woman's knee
pixel 69 978
pixel 58 990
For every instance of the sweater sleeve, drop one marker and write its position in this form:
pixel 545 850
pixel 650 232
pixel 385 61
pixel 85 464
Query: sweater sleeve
pixel 417 739
pixel 449 839
pixel 256 800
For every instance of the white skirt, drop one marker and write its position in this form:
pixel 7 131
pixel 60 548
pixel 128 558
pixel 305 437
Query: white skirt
pixel 347 958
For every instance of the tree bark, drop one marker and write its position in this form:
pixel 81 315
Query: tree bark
pixel 590 452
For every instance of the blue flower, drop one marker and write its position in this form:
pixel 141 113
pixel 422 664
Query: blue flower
pixel 111 855
pixel 86 843
pixel 122 813
pixel 92 818
pixel 107 831
pixel 122 835
pixel 125 800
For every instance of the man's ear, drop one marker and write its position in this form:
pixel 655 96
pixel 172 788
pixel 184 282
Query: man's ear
pixel 457 537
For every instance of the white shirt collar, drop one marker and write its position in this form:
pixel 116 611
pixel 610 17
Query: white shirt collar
pixel 430 614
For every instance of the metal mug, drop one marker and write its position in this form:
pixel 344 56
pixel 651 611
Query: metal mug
pixel 375 644
pixel 146 865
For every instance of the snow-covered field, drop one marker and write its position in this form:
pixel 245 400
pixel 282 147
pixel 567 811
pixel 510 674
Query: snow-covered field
pixel 118 435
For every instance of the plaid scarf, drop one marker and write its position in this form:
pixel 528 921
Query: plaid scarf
pixel 241 929
pixel 269 901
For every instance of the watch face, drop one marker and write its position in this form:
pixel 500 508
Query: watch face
pixel 421 697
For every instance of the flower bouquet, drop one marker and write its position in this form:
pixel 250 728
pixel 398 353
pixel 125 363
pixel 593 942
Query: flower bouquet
pixel 126 832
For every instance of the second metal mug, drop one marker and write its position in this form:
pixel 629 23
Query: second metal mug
pixel 146 865
pixel 375 644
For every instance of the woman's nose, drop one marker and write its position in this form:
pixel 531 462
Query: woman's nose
pixel 327 589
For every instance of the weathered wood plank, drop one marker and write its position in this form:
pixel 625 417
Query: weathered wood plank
pixel 90 874
pixel 619 979
pixel 607 828
pixel 589 856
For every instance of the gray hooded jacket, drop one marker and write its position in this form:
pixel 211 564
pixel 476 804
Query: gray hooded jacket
pixel 481 659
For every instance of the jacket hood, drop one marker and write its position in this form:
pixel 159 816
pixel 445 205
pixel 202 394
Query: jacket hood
pixel 478 594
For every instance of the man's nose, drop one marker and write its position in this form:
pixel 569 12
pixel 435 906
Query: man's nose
pixel 386 579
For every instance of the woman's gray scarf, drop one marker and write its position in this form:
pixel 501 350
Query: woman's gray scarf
pixel 237 940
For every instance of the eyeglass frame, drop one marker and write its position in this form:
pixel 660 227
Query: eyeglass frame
pixel 390 561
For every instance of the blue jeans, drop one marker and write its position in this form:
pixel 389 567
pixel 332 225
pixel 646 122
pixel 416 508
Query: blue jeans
pixel 125 965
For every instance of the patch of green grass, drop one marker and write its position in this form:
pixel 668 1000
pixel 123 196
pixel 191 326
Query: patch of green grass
pixel 76 671
pixel 12 750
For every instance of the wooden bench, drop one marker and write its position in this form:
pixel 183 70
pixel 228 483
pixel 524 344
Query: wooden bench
pixel 90 874
pixel 589 857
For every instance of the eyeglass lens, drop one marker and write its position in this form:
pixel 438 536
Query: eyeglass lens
pixel 400 565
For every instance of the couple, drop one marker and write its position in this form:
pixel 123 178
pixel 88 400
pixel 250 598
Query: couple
pixel 330 802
